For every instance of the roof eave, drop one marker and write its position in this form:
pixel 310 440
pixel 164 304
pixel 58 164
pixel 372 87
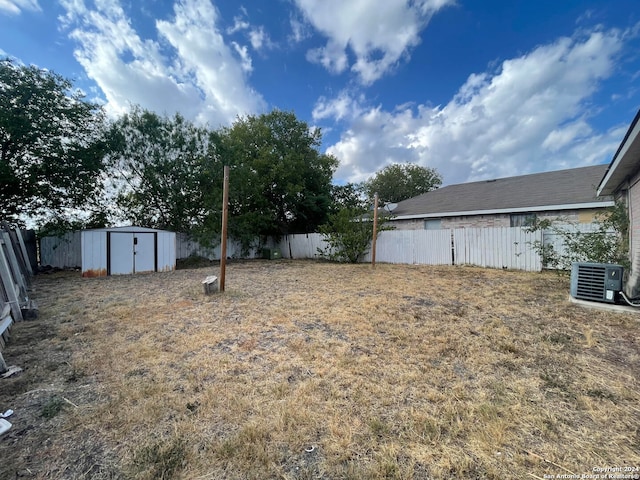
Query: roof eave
pixel 624 162
pixel 541 208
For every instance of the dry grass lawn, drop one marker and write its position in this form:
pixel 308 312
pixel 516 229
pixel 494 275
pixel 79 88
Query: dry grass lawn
pixel 306 370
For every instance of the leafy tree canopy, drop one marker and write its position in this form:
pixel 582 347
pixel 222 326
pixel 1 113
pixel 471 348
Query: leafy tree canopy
pixel 158 169
pixel 168 173
pixel 399 181
pixel 51 145
pixel 350 195
pixel 279 181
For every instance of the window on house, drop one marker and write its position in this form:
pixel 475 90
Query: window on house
pixel 522 219
pixel 433 224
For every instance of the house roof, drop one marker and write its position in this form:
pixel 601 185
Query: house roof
pixel 625 162
pixel 560 190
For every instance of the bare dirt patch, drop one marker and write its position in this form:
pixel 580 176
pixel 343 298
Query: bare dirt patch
pixel 308 370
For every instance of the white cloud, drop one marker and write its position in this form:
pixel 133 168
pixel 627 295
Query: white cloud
pixel 378 34
pixel 15 7
pixel 238 25
pixel 259 39
pixel 530 115
pixel 188 69
pixel 256 35
pixel 566 134
pixel 339 108
pixel 299 30
pixel 244 55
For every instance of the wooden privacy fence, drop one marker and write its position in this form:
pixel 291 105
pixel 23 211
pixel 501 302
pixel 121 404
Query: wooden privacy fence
pixel 553 237
pixel 64 251
pixel 186 247
pixel 506 247
pixel 485 247
pixel 15 283
pixel 501 247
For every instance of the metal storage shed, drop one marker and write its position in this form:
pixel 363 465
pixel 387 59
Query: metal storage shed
pixel 127 250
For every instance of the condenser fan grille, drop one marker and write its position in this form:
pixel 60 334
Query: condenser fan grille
pixel 596 281
pixel 591 282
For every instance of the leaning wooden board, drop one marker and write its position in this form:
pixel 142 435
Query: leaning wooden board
pixel 5 325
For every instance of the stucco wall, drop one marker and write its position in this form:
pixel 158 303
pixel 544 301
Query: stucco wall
pixel 500 220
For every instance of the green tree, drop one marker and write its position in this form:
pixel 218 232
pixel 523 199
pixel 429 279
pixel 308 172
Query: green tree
pixel 279 181
pixel 349 233
pixel 158 170
pixel 350 195
pixel 51 145
pixel 399 181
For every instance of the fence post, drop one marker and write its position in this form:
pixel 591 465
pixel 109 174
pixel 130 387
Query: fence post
pixel 225 214
pixel 375 230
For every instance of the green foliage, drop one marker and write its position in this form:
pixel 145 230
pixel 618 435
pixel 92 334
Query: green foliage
pixel 157 167
pixel 168 174
pixel 279 181
pixel 58 225
pixel 607 244
pixel 401 181
pixel 163 459
pixel 351 195
pixel 52 408
pixel 51 144
pixel 349 234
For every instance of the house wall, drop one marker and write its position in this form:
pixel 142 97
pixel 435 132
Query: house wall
pixel 500 220
pixel 632 197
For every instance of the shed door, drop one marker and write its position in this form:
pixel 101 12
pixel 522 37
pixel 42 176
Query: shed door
pixel 144 251
pixel 121 253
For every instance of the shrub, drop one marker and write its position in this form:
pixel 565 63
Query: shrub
pixel 609 243
pixel 349 233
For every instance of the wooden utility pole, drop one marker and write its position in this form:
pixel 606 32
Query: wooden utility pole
pixel 225 215
pixel 375 230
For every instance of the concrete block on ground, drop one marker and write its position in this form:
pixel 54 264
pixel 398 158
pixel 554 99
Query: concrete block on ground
pixel 210 285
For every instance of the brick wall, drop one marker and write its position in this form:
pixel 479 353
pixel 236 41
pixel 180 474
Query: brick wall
pixel 477 221
pixel 500 220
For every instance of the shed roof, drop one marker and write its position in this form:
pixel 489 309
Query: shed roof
pixel 559 190
pixel 128 229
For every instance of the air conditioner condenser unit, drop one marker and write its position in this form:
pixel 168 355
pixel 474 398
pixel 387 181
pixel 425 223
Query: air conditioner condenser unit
pixel 597 282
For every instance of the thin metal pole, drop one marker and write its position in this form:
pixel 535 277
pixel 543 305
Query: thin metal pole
pixel 375 230
pixel 225 215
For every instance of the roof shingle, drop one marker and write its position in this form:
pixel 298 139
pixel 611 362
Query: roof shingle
pixel 562 187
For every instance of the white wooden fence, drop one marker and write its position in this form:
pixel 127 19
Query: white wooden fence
pixel 551 237
pixel 426 247
pixel 486 247
pixel 505 247
pixel 501 247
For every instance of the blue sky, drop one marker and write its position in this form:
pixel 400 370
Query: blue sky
pixel 477 89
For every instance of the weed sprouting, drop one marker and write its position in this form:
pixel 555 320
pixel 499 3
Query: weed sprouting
pixel 161 459
pixel 53 407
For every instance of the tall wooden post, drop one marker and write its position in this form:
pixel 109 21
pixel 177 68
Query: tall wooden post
pixel 225 215
pixel 375 230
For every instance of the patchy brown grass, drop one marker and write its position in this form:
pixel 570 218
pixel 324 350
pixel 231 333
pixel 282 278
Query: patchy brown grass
pixel 305 370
